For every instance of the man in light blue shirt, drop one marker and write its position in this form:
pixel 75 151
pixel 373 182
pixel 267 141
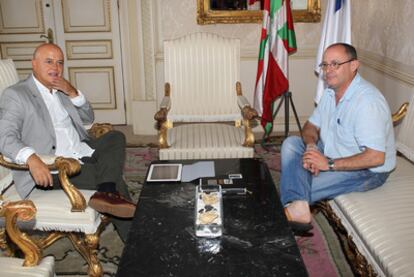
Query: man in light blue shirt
pixel 347 144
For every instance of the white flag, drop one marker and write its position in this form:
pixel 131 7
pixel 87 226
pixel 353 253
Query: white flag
pixel 336 28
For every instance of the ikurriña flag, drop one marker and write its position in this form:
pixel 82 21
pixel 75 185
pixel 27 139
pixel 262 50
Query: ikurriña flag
pixel 277 42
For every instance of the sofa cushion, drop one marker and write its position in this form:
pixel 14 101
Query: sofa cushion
pixel 381 221
pixel 12 267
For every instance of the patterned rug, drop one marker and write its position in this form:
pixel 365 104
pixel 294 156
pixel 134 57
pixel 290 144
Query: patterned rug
pixel 321 252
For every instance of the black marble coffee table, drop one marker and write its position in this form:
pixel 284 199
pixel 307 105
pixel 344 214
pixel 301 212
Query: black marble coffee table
pixel 256 240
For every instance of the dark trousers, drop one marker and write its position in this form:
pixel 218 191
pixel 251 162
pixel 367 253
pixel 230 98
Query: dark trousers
pixel 106 165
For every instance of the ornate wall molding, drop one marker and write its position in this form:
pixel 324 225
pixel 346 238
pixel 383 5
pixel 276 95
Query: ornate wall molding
pixel 388 66
pixel 147 10
pixel 19 51
pixel 89 49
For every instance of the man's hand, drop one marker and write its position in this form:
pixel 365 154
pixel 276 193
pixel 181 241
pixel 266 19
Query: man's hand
pixel 63 85
pixel 40 172
pixel 314 160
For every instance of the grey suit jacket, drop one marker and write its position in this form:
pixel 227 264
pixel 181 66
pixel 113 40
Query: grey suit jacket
pixel 25 121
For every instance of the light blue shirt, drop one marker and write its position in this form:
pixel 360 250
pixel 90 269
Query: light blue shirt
pixel 361 119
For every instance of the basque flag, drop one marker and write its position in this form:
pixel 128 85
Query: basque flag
pixel 336 28
pixel 277 42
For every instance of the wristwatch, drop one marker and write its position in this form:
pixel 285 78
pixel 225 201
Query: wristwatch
pixel 331 164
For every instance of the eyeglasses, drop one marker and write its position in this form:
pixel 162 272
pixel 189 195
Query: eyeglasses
pixel 334 65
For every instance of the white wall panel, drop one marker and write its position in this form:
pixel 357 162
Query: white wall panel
pixel 98 82
pixel 89 49
pixel 77 15
pixel 29 20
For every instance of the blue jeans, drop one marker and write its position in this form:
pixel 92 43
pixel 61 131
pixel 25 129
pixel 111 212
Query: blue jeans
pixel 297 183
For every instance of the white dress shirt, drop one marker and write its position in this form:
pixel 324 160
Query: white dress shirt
pixel 68 143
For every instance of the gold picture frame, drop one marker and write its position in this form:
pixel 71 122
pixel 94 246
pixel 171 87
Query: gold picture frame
pixel 206 15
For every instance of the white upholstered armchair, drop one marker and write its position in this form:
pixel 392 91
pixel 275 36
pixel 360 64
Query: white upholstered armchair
pixel 202 88
pixel 60 213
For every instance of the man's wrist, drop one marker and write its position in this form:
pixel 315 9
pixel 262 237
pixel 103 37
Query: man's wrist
pixel 311 146
pixel 73 93
pixel 331 164
pixel 79 100
pixel 23 155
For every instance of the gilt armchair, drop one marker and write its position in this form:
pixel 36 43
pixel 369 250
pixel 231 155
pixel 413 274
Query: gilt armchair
pixel 60 213
pixel 32 264
pixel 202 89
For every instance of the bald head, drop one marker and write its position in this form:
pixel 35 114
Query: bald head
pixel 45 47
pixel 347 48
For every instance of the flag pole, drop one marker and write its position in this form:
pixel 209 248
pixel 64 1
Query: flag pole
pixel 287 99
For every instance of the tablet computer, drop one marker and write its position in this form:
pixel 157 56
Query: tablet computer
pixel 165 173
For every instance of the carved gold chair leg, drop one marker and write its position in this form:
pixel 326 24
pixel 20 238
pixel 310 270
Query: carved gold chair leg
pixel 87 246
pixel 4 246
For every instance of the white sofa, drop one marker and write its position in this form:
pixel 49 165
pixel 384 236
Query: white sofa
pixel 377 227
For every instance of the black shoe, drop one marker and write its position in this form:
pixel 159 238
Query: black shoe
pixel 298 228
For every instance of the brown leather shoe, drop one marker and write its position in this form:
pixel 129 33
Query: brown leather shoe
pixel 112 203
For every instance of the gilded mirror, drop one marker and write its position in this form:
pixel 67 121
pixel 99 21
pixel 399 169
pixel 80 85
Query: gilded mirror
pixel 249 11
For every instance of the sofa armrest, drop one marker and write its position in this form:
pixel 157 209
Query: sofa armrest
pixel 161 117
pixel 400 113
pixel 248 114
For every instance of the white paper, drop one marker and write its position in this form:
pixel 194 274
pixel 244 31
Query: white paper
pixel 197 170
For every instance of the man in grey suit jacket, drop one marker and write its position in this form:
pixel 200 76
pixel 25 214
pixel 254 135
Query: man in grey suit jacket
pixel 44 115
